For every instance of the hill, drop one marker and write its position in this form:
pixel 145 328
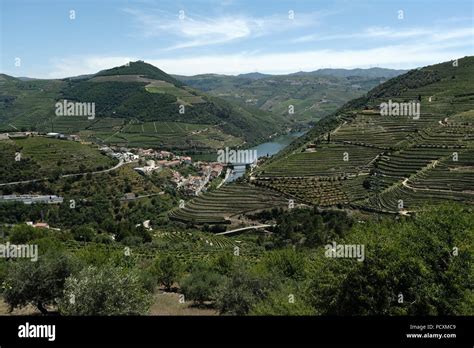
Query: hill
pixel 313 95
pixel 135 105
pixel 140 68
pixel 366 73
pixel 358 157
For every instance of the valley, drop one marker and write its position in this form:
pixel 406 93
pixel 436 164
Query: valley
pixel 140 187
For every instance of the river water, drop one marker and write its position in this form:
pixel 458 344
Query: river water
pixel 268 148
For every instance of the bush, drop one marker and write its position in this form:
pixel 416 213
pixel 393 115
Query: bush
pixel 286 263
pixel 239 293
pixel 284 301
pixel 413 258
pixel 201 284
pixel 104 291
pixel 103 239
pixel 22 234
pixel 37 283
pixel 83 233
pixel 168 270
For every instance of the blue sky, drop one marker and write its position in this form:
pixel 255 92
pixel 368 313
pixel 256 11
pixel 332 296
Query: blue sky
pixel 230 36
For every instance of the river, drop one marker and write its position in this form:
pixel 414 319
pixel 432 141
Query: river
pixel 268 148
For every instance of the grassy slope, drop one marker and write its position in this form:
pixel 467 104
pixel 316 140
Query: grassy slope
pixel 27 104
pixel 44 157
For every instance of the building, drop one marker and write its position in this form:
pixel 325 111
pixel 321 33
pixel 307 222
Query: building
pixel 73 137
pixel 166 163
pixel 130 157
pixel 186 160
pixel 146 152
pixel 105 149
pixel 128 196
pixel 165 154
pixel 41 225
pixel 30 199
pixel 18 135
pixel 150 166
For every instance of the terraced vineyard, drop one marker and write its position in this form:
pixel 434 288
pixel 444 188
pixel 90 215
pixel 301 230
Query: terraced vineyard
pixel 46 157
pixel 173 136
pixel 186 246
pixel 202 239
pixel 219 206
pixel 310 190
pixel 393 163
pixel 328 159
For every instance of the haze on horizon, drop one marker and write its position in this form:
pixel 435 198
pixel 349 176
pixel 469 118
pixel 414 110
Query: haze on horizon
pixel 70 38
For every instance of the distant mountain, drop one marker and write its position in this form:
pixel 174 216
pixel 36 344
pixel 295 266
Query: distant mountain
pixel 366 73
pixel 312 95
pixel 80 77
pixel 23 78
pixel 254 75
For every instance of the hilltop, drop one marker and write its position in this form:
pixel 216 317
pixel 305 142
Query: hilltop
pixel 136 105
pixel 140 68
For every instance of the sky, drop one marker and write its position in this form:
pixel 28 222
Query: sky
pixel 61 38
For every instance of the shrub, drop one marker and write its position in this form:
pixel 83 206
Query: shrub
pixel 201 284
pixel 104 291
pixel 37 283
pixel 168 270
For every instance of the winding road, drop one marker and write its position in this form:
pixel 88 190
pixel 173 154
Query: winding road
pixel 243 229
pixel 118 165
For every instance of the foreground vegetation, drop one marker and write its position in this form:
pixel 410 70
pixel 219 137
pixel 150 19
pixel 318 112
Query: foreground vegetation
pixel 400 275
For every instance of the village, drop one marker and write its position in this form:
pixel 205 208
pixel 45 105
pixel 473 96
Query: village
pixel 148 160
pixel 151 160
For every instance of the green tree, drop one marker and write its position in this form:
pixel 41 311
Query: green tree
pixel 417 266
pixel 104 291
pixel 201 284
pixel 37 283
pixel 286 300
pixel 23 233
pixel 83 233
pixel 168 270
pixel 286 263
pixel 241 291
pixel 224 264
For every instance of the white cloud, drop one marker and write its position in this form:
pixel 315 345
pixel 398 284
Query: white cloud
pixel 399 56
pixel 394 56
pixel 203 33
pixel 68 67
pixel 454 34
pixel 194 31
pixel 438 34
